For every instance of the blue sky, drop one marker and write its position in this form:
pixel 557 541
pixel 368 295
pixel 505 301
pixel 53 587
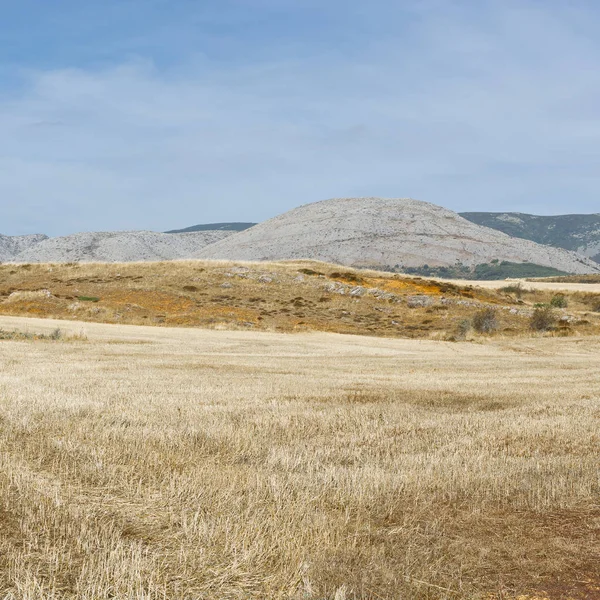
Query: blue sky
pixel 131 114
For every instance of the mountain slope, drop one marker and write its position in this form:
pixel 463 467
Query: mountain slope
pixel 580 233
pixel 378 232
pixel 122 246
pixel 214 227
pixel 11 245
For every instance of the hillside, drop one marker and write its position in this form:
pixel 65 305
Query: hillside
pixel 580 233
pixel 214 227
pixel 122 246
pixel 11 246
pixel 386 233
pixel 289 296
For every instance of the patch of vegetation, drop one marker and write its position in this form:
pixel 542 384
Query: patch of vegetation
pixel 309 272
pixel 492 271
pixel 462 329
pixel 54 336
pixel 485 320
pixel 88 298
pixel 349 277
pixel 543 319
pixel 559 301
pixel 516 289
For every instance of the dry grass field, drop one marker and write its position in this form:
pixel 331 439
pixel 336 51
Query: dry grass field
pixel 284 297
pixel 155 463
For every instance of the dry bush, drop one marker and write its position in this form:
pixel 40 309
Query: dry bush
pixel 462 330
pixel 543 318
pixel 485 320
pixel 516 289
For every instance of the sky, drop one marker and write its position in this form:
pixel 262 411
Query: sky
pixel 159 114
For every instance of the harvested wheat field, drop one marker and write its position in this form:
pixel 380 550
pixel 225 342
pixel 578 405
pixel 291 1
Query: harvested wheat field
pixel 163 463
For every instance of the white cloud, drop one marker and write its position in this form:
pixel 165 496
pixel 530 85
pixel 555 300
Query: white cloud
pixel 491 111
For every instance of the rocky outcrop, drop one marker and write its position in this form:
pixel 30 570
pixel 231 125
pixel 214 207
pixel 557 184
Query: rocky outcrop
pixel 122 246
pixel 12 245
pixel 381 232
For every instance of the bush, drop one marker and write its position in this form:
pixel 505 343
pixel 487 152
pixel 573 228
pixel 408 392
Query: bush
pixel 517 290
pixel 462 329
pixel 56 335
pixel 543 319
pixel 559 301
pixel 485 320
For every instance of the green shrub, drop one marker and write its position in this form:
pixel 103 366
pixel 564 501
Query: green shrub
pixel 485 320
pixel 543 319
pixel 88 299
pixel 559 301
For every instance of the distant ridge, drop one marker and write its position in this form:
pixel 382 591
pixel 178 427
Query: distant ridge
pixel 214 227
pixel 11 245
pixel 396 233
pixel 118 246
pixel 580 233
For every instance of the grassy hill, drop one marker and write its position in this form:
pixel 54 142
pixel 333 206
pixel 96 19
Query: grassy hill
pixel 580 233
pixel 285 297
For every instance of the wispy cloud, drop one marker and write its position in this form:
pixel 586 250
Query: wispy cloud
pixel 476 108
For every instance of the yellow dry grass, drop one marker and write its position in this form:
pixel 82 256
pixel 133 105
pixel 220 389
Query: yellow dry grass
pixel 286 296
pixel 159 463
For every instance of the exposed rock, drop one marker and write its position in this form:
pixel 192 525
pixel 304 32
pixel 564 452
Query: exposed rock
pixel 419 301
pixel 10 246
pixel 122 246
pixel 377 232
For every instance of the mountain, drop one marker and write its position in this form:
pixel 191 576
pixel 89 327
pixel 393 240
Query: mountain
pixel 580 233
pixel 122 246
pixel 11 245
pixel 383 233
pixel 214 227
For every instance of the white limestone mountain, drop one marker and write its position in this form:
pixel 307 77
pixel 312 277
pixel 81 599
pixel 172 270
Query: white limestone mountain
pixel 11 245
pixel 381 232
pixel 121 246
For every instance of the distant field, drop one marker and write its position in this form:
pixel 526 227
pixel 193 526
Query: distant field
pixel 156 463
pixel 565 284
pixel 284 297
